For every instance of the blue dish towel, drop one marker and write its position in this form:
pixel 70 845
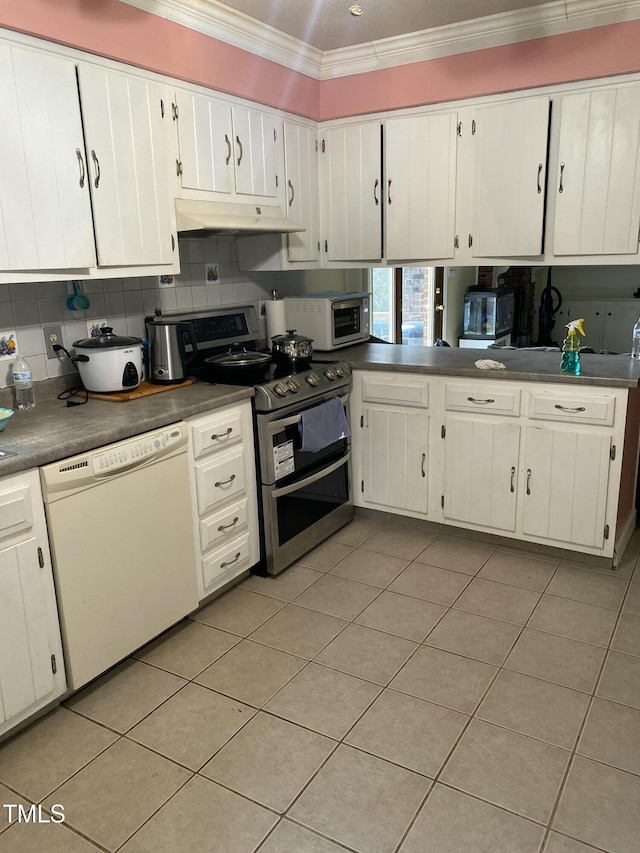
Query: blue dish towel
pixel 323 425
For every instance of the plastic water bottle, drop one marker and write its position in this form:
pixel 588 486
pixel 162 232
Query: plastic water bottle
pixel 23 383
pixel 635 341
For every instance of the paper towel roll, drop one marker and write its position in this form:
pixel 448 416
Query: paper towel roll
pixel 274 310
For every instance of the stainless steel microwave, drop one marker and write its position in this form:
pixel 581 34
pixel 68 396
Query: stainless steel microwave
pixel 332 319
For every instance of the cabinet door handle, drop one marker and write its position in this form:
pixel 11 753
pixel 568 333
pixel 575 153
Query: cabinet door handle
pixel 569 409
pixel 389 192
pixel 561 187
pixel 480 402
pixel 375 189
pixel 81 166
pixel 225 482
pixel 231 562
pixel 528 480
pixel 539 173
pixel 96 163
pixel 239 144
pixel 424 457
pixel 224 434
pixel 227 526
pixel 293 193
pixel 513 471
pixel 226 139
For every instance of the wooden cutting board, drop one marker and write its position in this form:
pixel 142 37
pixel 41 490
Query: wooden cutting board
pixel 144 389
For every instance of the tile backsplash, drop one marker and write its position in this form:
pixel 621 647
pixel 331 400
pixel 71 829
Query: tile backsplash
pixel 209 278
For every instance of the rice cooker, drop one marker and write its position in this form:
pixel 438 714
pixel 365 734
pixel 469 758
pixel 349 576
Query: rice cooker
pixel 109 362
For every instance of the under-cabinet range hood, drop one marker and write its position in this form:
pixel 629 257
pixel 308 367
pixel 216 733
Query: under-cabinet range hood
pixel 212 217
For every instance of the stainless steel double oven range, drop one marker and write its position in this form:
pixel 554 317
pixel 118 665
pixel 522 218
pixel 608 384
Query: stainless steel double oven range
pixel 304 496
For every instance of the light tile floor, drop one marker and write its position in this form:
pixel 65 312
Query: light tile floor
pixel 393 691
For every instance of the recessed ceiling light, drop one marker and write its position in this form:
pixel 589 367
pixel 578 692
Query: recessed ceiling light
pixel 356 10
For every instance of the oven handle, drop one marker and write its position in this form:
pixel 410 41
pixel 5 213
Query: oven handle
pixel 276 426
pixel 294 487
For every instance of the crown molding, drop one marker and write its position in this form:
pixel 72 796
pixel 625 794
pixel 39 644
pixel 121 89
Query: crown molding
pixel 235 28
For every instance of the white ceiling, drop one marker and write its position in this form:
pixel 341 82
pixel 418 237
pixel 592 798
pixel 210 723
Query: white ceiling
pixel 328 24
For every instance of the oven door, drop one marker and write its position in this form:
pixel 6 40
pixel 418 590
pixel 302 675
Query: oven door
pixel 350 321
pixel 302 514
pixel 281 458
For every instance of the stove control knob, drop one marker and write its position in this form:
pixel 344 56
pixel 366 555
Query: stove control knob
pixel 280 389
pixel 293 386
pixel 330 374
pixel 313 379
pixel 339 371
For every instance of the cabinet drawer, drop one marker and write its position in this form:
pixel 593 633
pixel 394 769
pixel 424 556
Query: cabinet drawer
pixel 483 398
pixel 396 389
pixel 220 479
pixel 217 432
pixel 226 563
pixel 583 408
pixel 223 526
pixel 16 514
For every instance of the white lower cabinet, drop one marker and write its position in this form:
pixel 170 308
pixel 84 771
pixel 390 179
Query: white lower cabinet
pixel 550 464
pixel 391 445
pixel 481 472
pixel 223 488
pixel 31 663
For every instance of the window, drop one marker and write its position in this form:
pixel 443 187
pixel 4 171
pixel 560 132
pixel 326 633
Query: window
pixel 404 304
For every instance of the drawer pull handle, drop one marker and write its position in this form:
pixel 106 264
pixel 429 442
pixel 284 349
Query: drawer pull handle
pixel 568 409
pixel 528 480
pixel 222 434
pixel 513 471
pixel 80 166
pixel 225 482
pixel 231 562
pixel 227 526
pixel 482 402
pixel 424 456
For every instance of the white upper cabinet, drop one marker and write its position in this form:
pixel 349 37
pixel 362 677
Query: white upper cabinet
pixel 420 187
pixel 226 148
pixel 303 205
pixel 45 211
pixel 255 136
pixel 353 192
pixel 205 137
pixel 596 196
pixel 510 166
pixel 127 164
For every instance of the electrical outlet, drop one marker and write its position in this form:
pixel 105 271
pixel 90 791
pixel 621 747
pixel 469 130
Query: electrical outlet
pixel 52 335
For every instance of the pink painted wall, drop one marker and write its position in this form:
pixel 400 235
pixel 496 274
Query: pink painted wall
pixel 119 31
pixel 598 52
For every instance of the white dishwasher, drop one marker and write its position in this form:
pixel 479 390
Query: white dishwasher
pixel 120 530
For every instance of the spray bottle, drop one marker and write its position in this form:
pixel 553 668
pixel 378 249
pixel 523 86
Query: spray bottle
pixel 571 348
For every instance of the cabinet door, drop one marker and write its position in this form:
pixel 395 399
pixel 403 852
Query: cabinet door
pixel 619 320
pixel 480 472
pixel 124 120
pixel 45 211
pixel 204 136
pixel 420 175
pixel 26 647
pixel 566 475
pixel 352 209
pixel 303 190
pixel 510 172
pixel 395 455
pixel 255 135
pixel 597 195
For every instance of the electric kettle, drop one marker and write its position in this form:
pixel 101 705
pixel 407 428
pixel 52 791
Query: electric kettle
pixel 168 358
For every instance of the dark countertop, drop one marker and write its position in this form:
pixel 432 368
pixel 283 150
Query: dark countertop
pixel 612 371
pixel 51 431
